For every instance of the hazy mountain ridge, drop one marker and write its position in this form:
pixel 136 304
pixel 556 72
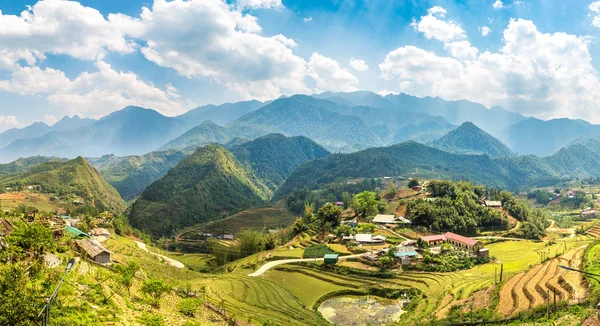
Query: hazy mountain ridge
pixel 469 139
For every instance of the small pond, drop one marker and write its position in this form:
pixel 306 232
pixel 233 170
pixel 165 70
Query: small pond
pixel 358 311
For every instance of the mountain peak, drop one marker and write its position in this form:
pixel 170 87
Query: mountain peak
pixel 470 139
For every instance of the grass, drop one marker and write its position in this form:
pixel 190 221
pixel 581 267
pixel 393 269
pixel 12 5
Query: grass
pixel 285 252
pixel 306 288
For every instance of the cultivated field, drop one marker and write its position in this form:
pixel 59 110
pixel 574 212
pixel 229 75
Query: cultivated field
pixel 538 285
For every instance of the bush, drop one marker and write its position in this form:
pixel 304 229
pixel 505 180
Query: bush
pixel 151 319
pixel 317 251
pixel 188 306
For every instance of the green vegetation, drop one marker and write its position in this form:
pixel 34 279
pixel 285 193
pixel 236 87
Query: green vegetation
pixel 454 206
pixel 23 164
pixel 366 204
pixel 130 175
pixel 74 180
pixel 469 139
pixel 274 157
pixel 317 251
pixel 541 196
pixel 207 185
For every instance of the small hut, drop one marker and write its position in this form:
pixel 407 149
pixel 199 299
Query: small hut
pixel 94 251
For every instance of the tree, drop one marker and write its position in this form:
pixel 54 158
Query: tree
pixel 188 306
pixel 126 274
pixel 19 297
pixel 386 262
pixel 413 182
pixel 365 204
pixel 309 212
pixel 330 213
pixel 343 230
pixel 33 236
pixel 155 288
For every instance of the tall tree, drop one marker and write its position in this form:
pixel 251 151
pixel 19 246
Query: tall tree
pixel 365 204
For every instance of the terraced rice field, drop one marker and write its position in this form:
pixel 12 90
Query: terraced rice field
pixel 532 288
pixel 595 230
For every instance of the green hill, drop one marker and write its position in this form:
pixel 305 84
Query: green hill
pixel 130 175
pixel 207 185
pixel 75 178
pixel 24 164
pixel 274 157
pixel 469 139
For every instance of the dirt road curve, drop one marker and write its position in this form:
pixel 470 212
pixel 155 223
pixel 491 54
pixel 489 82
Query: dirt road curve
pixel 168 260
pixel 274 263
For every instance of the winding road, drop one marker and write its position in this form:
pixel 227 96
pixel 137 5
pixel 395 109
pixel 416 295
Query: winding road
pixel 166 259
pixel 274 263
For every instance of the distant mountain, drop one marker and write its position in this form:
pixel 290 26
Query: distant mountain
pixel 359 98
pixel 581 159
pixel 220 114
pixel 207 185
pixel 469 139
pixel 539 137
pixel 75 178
pixel 274 157
pixel 130 175
pixel 24 164
pixel 39 129
pixel 206 133
pixel 494 121
pixel 133 130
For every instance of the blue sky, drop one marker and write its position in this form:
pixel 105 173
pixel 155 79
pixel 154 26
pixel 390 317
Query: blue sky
pixel 533 57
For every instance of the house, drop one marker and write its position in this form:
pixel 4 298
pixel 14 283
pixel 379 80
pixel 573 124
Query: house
pixel 483 252
pixel 94 251
pixel 347 238
pixel 384 219
pixel 331 236
pixel 339 203
pixel 227 236
pixel 369 238
pixel 434 240
pixel 76 233
pixel 406 254
pixel 100 232
pixel 409 243
pixel 417 188
pixel 460 242
pixel 588 214
pixel 493 203
pixel 403 220
pixel 330 259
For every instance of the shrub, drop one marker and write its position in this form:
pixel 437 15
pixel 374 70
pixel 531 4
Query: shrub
pixel 188 306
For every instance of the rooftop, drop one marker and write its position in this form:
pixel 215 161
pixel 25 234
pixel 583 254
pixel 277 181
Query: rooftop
pixel 437 237
pixel 493 203
pixel 92 247
pixel 460 238
pixel 381 218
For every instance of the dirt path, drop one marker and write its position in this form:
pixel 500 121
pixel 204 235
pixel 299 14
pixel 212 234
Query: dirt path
pixel 166 259
pixel 274 263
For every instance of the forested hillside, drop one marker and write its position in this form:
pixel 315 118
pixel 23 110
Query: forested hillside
pixel 24 164
pixel 75 178
pixel 130 175
pixel 469 139
pixel 274 157
pixel 207 185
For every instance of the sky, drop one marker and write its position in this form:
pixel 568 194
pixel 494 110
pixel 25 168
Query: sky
pixel 93 57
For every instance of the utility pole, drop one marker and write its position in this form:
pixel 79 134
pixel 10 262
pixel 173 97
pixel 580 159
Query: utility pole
pixel 548 303
pixel 46 310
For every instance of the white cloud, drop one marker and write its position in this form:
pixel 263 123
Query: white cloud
pixel 542 74
pixel 93 94
pixel 253 4
pixel 8 122
pixel 307 19
pixel 208 38
pixel 329 75
pixel 461 49
pixel 595 13
pixel 498 5
pixel 358 65
pixel 58 27
pixel 484 30
pixel 385 92
pixel 433 25
pixel 50 119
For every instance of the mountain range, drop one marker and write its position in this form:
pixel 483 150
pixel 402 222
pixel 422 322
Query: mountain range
pixel 341 122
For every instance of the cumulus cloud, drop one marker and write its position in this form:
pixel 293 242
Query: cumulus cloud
pixel 435 26
pixel 8 122
pixel 58 27
pixel 484 30
pixel 358 65
pixel 461 49
pixel 330 76
pixel 93 94
pixel 50 119
pixel 209 38
pixel 498 5
pixel 543 74
pixel 253 4
pixel 595 13
pixel 307 19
